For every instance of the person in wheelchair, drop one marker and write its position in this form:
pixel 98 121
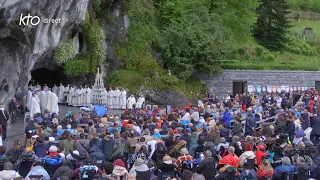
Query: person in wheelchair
pixel 166 169
pixel 286 167
pixel 37 169
pixel 8 172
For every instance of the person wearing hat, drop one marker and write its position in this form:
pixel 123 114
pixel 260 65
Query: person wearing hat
pixel 119 169
pixel 248 154
pixel 207 166
pixel 139 165
pixel 166 167
pixel 260 153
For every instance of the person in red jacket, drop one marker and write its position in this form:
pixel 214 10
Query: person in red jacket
pixel 260 153
pixel 265 170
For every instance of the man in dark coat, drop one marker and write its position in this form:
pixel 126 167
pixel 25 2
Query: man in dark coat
pixel 250 124
pixel 245 101
pixel 4 116
pixel 315 133
pixel 107 145
pixel 290 129
pixel 14 106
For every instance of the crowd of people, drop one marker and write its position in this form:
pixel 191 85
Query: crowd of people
pixel 248 136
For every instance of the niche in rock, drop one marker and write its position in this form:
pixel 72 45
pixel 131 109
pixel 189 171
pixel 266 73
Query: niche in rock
pixel 48 75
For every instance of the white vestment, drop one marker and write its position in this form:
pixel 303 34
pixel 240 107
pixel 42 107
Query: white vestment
pixel 37 88
pixel 29 100
pixel 87 97
pixel 34 107
pixel 54 101
pixel 79 95
pixel 70 96
pixel 43 100
pixel 103 99
pixel 140 102
pixel 130 102
pixel 61 93
pixel 123 100
pixel 116 102
pixel 55 90
pixel 49 101
pixel 74 97
pixel 110 99
pixel 66 93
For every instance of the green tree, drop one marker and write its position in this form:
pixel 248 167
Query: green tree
pixel 272 24
pixel 196 42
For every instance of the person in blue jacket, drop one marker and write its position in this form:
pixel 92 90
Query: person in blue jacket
pixel 226 119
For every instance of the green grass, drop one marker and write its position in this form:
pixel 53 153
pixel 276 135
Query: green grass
pixel 298 27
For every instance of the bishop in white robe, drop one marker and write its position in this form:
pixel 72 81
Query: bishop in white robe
pixel 123 99
pixel 140 102
pixel 37 87
pixel 116 102
pixel 131 101
pixel 54 101
pixel 110 98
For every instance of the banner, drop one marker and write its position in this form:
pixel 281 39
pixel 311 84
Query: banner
pixel 258 89
pixel 269 89
pixel 278 89
pixel 274 89
pixel 287 89
pixel 254 89
pixel 306 88
pixel 264 88
pixel 168 109
pixel 283 88
pixel 299 88
pixel 291 88
pixel 250 88
pixel 294 88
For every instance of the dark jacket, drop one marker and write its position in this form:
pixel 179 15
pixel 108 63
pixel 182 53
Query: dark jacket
pixel 290 129
pixel 315 124
pixel 16 154
pixel 63 171
pixel 237 130
pixel 40 149
pixel 315 168
pixel 280 128
pixel 4 116
pixel 207 168
pixel 225 133
pixel 107 147
pixel 303 171
pixel 82 151
pixel 165 168
pixel 250 125
pixel 94 142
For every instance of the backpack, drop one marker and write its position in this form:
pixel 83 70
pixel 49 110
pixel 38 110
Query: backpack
pixel 87 172
pixel 161 148
pixel 98 159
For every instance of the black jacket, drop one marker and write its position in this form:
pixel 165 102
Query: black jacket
pixel 107 147
pixel 4 116
pixel 315 124
pixel 208 168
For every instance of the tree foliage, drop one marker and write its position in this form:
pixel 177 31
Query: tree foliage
pixel 272 24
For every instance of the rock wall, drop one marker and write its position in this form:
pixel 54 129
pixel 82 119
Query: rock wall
pixel 223 82
pixel 21 46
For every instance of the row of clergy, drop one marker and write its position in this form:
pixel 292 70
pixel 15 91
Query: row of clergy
pixel 73 96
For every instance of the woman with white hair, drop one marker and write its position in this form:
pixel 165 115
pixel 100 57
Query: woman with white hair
pixel 286 167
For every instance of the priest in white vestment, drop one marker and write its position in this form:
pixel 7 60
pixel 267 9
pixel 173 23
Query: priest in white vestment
pixel 55 89
pixel 29 100
pixel 37 87
pixel 140 102
pixel 70 96
pixel 34 106
pixel 54 101
pixel 42 99
pixel 49 101
pixel 116 102
pixel 110 98
pixel 66 93
pixel 103 99
pixel 123 99
pixel 131 101
pixel 87 96
pixel 61 93
pixel 74 97
pixel 79 95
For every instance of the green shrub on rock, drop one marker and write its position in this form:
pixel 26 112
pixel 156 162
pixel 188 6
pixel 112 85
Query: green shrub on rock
pixel 64 52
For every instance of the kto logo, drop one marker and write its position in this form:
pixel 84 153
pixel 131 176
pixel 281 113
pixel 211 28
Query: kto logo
pixel 25 20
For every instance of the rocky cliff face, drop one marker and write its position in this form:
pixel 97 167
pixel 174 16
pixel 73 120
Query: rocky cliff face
pixel 23 44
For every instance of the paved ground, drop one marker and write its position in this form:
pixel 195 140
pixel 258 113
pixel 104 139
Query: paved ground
pixel 16 131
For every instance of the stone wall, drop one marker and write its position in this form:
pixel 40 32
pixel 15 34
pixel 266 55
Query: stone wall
pixel 223 82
